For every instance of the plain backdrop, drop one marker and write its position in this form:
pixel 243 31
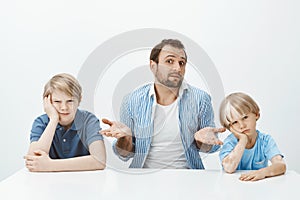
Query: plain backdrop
pixel 254 45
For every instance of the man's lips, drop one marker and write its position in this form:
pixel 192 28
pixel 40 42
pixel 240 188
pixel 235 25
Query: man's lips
pixel 175 75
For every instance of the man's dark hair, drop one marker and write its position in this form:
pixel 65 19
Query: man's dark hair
pixel 157 49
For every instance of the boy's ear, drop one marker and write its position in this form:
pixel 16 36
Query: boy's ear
pixel 257 116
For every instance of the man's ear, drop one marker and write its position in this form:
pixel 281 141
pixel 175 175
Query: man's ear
pixel 153 65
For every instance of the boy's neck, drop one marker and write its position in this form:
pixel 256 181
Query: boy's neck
pixel 251 141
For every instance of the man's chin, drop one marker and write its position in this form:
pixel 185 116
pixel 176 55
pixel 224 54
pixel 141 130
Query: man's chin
pixel 174 85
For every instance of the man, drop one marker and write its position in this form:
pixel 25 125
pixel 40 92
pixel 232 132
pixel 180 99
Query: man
pixel 165 124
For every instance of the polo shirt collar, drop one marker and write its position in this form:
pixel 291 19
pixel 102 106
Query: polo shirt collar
pixel 77 123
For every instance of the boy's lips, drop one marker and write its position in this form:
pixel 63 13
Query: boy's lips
pixel 246 131
pixel 64 114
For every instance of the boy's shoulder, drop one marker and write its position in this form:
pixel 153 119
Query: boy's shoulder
pixel 84 114
pixel 230 139
pixel 263 136
pixel 42 119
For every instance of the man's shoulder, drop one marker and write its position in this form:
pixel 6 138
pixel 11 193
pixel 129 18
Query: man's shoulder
pixel 141 91
pixel 143 88
pixel 195 91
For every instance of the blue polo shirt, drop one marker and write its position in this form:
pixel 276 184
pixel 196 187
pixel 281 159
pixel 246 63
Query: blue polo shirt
pixel 72 142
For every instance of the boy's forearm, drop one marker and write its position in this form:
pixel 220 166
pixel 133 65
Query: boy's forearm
pixel 274 169
pixel 82 163
pixel 45 141
pixel 231 161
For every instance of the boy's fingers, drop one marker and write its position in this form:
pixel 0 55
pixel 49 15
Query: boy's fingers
pixel 219 142
pixel 38 152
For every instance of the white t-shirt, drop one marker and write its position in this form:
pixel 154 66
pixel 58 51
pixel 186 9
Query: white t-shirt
pixel 166 150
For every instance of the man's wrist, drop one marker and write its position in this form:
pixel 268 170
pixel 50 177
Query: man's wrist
pixel 125 143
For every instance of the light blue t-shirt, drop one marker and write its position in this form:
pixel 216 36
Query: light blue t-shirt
pixel 255 158
pixel 72 142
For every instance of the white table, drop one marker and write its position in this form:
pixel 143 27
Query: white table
pixel 146 184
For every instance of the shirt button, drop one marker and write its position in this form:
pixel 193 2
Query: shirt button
pixel 64 140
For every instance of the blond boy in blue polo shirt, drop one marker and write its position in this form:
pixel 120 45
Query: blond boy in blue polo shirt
pixel 65 138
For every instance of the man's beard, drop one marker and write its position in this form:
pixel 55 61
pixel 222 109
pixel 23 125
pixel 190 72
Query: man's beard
pixel 170 84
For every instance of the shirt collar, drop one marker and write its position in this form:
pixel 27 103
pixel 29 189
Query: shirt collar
pixel 184 86
pixel 78 121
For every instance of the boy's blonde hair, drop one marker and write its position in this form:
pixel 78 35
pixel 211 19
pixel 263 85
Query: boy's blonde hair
pixel 65 83
pixel 236 104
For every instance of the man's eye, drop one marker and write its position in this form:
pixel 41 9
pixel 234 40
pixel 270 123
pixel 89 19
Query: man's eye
pixel 170 61
pixel 181 63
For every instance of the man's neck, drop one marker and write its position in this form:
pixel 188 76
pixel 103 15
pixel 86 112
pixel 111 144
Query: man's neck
pixel 165 95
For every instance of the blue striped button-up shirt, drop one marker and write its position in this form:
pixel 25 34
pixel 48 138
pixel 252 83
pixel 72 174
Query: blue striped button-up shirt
pixel 137 112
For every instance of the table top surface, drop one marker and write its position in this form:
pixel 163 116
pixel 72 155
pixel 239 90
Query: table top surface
pixel 146 184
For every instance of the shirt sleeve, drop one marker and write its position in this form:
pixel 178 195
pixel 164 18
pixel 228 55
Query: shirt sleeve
pixel 92 128
pixel 125 118
pixel 38 127
pixel 207 118
pixel 227 147
pixel 271 148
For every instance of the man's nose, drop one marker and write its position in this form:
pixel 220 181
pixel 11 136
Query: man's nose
pixel 177 67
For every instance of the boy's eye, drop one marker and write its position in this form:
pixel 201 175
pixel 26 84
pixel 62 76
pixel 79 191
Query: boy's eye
pixel 56 101
pixel 245 117
pixel 70 101
pixel 233 123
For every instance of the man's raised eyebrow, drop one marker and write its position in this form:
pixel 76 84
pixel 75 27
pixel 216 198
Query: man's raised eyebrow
pixel 172 56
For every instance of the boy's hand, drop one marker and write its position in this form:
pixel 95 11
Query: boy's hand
pixel 50 109
pixel 253 176
pixel 238 134
pixel 39 162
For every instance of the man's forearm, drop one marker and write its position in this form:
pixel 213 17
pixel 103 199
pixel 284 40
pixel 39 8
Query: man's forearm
pixel 203 147
pixel 124 146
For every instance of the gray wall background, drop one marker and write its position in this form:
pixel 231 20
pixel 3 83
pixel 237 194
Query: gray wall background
pixel 254 45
